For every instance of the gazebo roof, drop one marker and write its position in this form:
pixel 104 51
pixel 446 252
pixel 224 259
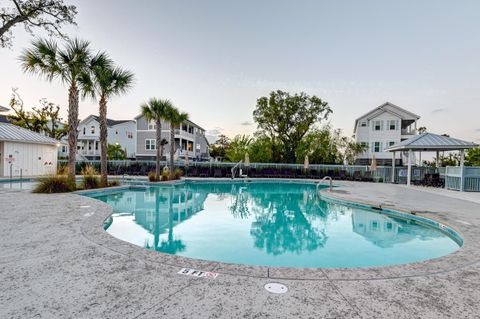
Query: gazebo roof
pixel 431 142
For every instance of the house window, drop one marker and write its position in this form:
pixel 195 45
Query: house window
pixel 364 145
pixel 150 144
pixel 84 130
pixel 377 147
pixel 363 123
pixel 92 129
pixel 392 125
pixel 152 125
pixel 377 125
pixel 391 143
pixel 116 132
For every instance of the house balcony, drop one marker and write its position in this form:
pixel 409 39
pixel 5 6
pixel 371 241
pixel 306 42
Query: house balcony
pixel 184 134
pixel 408 132
pixel 89 152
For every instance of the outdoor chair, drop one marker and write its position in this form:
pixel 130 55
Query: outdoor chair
pixel 313 173
pixel 342 175
pixel 357 176
pixel 217 172
pixel 204 172
pixel 287 173
pixel 367 177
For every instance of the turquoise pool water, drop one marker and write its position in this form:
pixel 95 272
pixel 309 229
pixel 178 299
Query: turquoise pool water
pixel 268 224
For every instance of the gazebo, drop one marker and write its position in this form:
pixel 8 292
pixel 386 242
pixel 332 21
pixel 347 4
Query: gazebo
pixel 428 142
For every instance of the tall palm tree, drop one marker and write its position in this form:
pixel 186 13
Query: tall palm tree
pixel 103 81
pixel 46 59
pixel 175 118
pixel 157 110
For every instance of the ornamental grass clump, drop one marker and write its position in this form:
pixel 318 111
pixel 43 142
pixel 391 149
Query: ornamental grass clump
pixel 90 177
pixel 152 176
pixel 55 184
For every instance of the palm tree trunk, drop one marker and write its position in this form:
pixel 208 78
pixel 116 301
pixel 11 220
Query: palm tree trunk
pixel 103 141
pixel 72 128
pixel 158 147
pixel 172 148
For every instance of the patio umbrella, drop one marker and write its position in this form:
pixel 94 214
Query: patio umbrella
pixel 247 160
pixel 373 165
pixel 305 162
pixel 186 159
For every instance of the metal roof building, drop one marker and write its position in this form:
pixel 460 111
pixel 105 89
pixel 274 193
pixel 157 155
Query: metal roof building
pixel 429 142
pixel 23 152
pixel 10 132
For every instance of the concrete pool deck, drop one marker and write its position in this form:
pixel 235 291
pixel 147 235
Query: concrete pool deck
pixel 57 262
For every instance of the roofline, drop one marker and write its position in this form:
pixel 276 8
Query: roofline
pixel 33 142
pixel 431 148
pixel 141 115
pixel 378 108
pixel 93 116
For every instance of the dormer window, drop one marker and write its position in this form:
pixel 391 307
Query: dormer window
pixel 363 123
pixel 92 129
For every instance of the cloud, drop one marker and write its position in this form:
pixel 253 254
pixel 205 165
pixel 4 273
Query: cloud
pixel 477 130
pixel 215 131
pixel 436 111
pixel 246 123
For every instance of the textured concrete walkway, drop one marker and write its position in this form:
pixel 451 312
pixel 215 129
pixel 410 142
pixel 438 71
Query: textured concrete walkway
pixel 57 262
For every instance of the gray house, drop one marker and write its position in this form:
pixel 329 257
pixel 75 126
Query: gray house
pixel 189 140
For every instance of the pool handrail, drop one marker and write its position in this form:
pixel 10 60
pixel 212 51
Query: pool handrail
pixel 234 167
pixel 324 179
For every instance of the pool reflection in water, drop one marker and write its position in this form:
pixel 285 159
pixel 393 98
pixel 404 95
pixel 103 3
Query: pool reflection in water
pixel 269 224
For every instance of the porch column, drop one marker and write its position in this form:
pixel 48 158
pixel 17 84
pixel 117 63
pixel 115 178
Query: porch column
pixel 409 170
pixel 420 158
pixel 462 162
pixel 393 167
pixel 437 160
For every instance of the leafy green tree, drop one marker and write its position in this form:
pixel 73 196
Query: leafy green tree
pixel 260 149
pixel 288 118
pixel 102 81
pixel 219 148
pixel 68 64
pixel 238 147
pixel 157 110
pixel 49 15
pixel 116 152
pixel 43 119
pixel 473 157
pixel 351 150
pixel 322 145
pixel 175 118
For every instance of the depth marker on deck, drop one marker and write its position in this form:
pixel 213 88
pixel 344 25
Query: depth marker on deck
pixel 197 273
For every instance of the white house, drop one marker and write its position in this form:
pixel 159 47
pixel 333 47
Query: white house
pixel 121 132
pixel 23 152
pixel 190 140
pixel 382 127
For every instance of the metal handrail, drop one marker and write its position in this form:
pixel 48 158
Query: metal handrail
pixel 234 167
pixel 324 179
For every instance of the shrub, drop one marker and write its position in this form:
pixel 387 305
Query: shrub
pixel 90 178
pixel 165 176
pixel 62 169
pixel 55 184
pixel 152 176
pixel 89 170
pixel 90 182
pixel 113 183
pixel 177 173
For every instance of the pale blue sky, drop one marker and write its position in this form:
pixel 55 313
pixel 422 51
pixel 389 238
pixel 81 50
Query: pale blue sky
pixel 213 59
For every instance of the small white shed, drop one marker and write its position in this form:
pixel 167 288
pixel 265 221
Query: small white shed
pixel 23 152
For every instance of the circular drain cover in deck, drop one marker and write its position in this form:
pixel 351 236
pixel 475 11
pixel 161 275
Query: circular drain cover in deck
pixel 276 288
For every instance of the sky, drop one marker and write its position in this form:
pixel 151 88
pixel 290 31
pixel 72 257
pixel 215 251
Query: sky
pixel 214 59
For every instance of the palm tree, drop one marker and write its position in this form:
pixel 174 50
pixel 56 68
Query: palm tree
pixel 46 59
pixel 175 118
pixel 104 81
pixel 157 110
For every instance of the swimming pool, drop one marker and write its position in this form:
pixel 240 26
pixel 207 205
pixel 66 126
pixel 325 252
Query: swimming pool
pixel 270 223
